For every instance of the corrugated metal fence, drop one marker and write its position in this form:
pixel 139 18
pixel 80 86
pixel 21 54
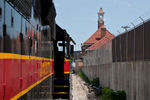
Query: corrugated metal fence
pixel 123 63
pixel 133 45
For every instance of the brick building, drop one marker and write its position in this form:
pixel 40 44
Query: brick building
pixel 99 38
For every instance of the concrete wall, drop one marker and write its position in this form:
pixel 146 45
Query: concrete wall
pixel 133 77
pixel 100 56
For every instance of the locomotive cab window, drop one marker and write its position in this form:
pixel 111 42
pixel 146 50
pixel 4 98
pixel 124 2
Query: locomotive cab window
pixel 63 48
pixel 12 19
pixel 60 45
pixel 71 50
pixel 67 55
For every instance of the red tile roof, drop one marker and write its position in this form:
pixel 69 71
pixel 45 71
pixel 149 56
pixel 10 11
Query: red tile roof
pixel 102 41
pixel 93 39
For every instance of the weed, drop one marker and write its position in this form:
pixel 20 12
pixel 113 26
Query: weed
pixel 84 77
pixel 109 94
pixel 95 82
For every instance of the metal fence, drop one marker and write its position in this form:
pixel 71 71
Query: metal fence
pixel 133 45
pixel 130 69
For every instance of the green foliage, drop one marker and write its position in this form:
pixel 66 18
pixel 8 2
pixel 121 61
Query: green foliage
pixel 95 82
pixel 84 77
pixel 109 94
pixel 121 95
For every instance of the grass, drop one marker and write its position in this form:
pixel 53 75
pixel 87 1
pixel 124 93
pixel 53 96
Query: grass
pixel 107 93
pixel 84 77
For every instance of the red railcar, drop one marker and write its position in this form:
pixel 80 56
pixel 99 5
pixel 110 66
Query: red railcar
pixel 29 50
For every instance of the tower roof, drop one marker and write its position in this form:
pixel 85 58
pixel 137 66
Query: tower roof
pixel 101 11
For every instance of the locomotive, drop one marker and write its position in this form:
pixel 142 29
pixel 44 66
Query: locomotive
pixel 34 52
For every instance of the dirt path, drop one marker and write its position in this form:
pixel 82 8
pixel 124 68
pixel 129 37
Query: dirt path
pixel 79 90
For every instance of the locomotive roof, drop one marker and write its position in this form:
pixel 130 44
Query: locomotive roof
pixel 43 9
pixel 61 34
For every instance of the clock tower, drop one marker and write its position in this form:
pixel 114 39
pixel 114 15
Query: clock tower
pixel 100 18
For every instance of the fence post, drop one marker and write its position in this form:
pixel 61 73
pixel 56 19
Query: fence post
pixel 127 46
pixel 143 35
pixel 115 51
pixel 134 48
pixel 120 50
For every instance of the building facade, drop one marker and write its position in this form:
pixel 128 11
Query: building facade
pixel 99 38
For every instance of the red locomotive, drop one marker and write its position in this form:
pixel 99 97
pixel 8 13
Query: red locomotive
pixel 33 50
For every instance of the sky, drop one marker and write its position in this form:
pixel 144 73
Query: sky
pixel 79 17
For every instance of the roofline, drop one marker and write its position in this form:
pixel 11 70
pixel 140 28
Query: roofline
pixel 110 32
pixel 90 49
pixel 86 44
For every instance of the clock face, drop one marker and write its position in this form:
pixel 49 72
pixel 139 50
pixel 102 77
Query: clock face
pixel 101 17
pixel 100 20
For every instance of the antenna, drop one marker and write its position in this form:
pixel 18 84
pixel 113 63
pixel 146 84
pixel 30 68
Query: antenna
pixel 118 31
pixel 125 27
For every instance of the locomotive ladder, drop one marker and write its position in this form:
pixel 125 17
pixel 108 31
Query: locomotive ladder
pixel 61 85
pixel 61 88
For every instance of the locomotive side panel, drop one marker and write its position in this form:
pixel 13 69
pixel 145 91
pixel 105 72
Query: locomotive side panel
pixel 26 60
pixel 1 48
pixel 26 73
pixel 1 78
pixel 12 62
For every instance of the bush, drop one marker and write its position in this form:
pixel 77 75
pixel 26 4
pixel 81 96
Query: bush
pixel 121 95
pixel 109 94
pixel 95 82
